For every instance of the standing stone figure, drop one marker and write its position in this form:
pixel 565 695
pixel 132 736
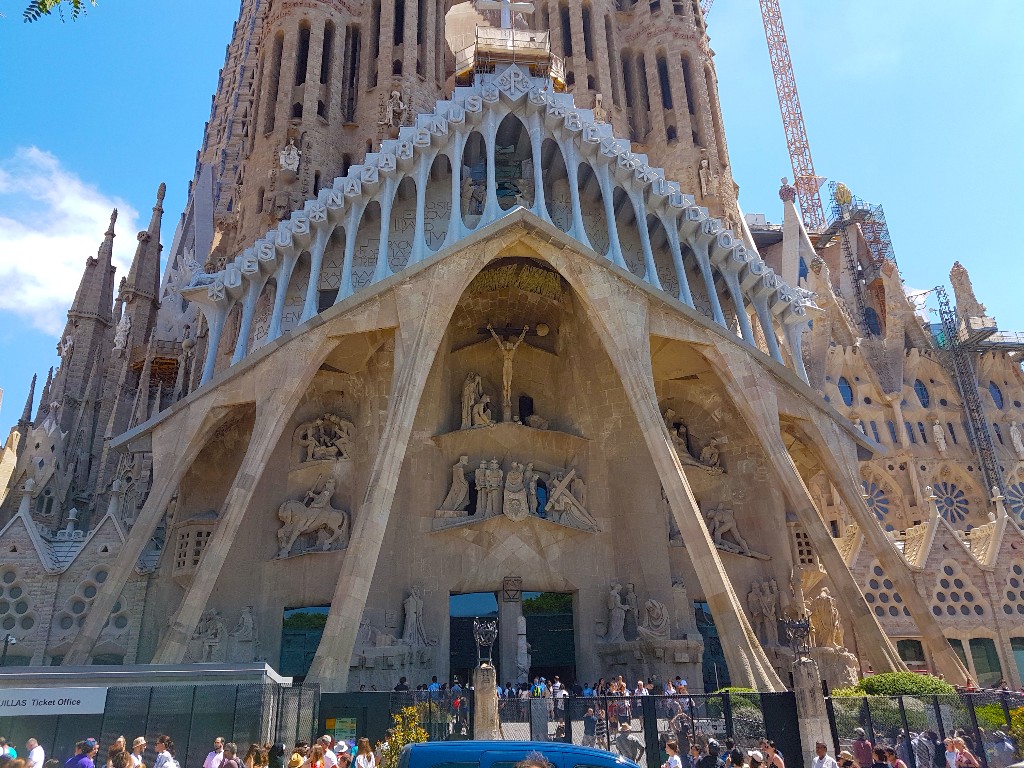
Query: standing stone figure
pixel 472 391
pixel 531 487
pixel 412 631
pixel 940 437
pixel 825 629
pixel 706 177
pixel 756 612
pixel 523 659
pixel 768 596
pixel 1017 439
pixel 480 481
pixel 516 504
pixel 616 616
pixel 458 496
pixel 507 349
pixel 393 110
pixel 494 478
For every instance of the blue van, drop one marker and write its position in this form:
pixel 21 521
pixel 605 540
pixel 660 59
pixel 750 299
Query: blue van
pixel 505 754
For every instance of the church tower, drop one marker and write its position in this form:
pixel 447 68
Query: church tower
pixel 647 68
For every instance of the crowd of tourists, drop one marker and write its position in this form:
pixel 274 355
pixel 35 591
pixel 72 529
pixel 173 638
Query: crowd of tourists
pixel 325 752
pixel 927 750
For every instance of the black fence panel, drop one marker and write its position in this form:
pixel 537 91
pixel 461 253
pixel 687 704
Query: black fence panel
pixel 915 726
pixel 192 715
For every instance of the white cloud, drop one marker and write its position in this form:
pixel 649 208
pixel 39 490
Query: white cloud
pixel 50 222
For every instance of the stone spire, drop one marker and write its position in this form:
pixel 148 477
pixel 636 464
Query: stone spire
pixel 140 293
pixel 44 400
pixel 967 305
pixel 98 280
pixel 26 415
pixel 796 245
pixel 140 412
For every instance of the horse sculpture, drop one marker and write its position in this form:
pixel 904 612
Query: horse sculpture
pixel 313 514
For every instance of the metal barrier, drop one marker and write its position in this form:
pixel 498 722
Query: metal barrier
pixel 192 715
pixel 443 714
pixel 916 725
pixel 608 722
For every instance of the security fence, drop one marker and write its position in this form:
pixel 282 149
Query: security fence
pixel 622 723
pixel 915 726
pixel 192 715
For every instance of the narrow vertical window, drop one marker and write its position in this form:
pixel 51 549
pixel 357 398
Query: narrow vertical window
pixel 563 12
pixel 351 74
pixel 302 54
pixel 608 42
pixel 399 36
pixel 588 33
pixel 666 91
pixel 374 43
pixel 274 83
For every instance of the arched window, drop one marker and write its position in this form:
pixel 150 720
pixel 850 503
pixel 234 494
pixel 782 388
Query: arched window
pixel 923 431
pixel 922 393
pixel 845 390
pixel 952 432
pixel 997 394
pixel 999 434
pixel 910 432
pixel 892 432
pixel 874 431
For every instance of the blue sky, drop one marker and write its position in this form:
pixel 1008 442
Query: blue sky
pixel 916 105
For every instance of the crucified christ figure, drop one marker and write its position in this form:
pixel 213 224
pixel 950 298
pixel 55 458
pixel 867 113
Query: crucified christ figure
pixel 508 351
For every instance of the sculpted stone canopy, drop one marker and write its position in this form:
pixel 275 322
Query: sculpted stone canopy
pixel 696 247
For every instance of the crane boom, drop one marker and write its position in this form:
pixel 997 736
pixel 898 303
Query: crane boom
pixel 804 178
pixel 705 6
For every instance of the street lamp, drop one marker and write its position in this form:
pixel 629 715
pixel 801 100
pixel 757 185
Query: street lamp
pixel 798 630
pixel 9 639
pixel 485 633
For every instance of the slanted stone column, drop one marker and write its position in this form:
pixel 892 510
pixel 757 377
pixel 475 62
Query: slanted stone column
pixel 759 411
pixel 619 314
pixel 425 306
pixel 825 439
pixel 175 445
pixel 279 387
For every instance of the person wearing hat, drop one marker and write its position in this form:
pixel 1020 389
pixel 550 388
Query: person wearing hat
pixel 846 759
pixel 628 744
pixel 138 747
pixel 862 748
pixel 822 759
pixel 756 758
pixel 710 758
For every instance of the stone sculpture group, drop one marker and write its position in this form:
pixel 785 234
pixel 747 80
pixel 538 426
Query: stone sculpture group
pixel 653 626
pixel 314 514
pixel 710 457
pixel 522 492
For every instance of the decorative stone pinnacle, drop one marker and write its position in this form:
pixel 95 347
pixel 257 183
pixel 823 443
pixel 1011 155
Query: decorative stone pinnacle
pixel 160 192
pixel 113 220
pixel 787 192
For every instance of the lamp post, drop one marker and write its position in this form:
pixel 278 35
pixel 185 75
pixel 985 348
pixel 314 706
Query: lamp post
pixel 798 631
pixel 485 633
pixel 9 639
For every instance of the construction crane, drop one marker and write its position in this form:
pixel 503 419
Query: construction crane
pixel 805 179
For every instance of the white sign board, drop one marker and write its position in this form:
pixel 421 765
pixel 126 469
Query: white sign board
pixel 21 702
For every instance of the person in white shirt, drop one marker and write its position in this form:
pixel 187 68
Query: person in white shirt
pixel 822 758
pixel 138 747
pixel 215 758
pixel 364 755
pixel 330 758
pixel 36 755
pixel 674 761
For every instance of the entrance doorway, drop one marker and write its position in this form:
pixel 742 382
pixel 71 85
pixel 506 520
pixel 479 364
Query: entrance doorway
pixel 716 672
pixel 462 609
pixel 551 635
pixel 300 637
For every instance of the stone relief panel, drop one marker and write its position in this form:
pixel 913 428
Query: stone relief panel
pixel 212 641
pixel 763 605
pixel 326 438
pixel 390 643
pixel 708 458
pixel 518 493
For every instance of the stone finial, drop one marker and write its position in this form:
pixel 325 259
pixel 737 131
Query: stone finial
pixel 26 415
pixel 160 192
pixel 787 192
pixel 113 220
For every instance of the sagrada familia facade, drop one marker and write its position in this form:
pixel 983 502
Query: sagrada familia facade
pixel 462 301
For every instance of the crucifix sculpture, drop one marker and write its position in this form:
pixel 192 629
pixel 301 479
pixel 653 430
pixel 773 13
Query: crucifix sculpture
pixel 508 352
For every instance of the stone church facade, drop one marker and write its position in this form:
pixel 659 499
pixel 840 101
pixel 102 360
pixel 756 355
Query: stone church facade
pixel 457 308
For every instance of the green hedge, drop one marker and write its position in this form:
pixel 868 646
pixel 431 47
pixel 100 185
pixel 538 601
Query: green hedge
pixel 898 684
